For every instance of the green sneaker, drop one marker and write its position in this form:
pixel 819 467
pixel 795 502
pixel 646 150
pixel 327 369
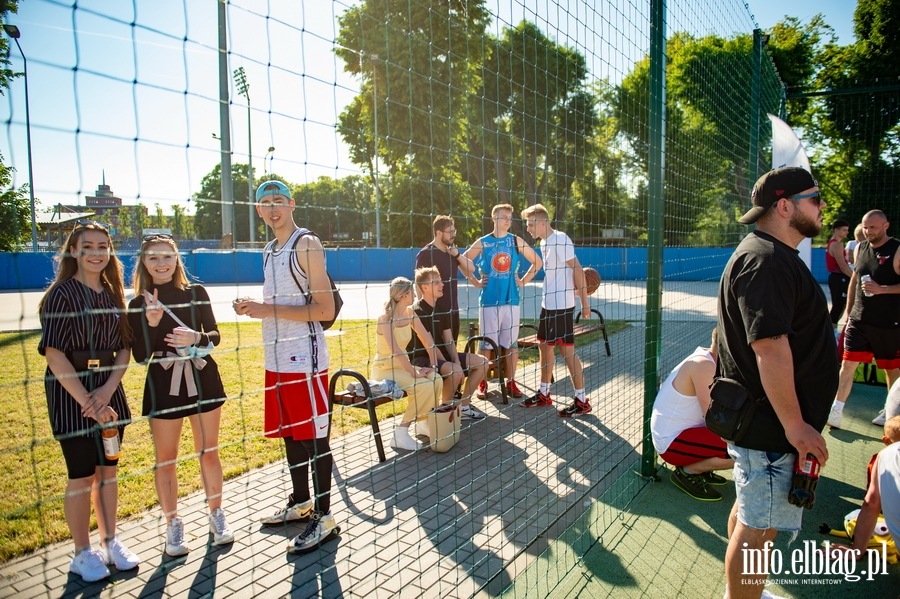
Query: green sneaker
pixel 712 478
pixel 694 485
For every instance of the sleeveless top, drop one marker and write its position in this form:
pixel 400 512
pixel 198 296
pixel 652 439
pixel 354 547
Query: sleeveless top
pixel 831 264
pixel 499 259
pixel 290 345
pixel 881 311
pixel 674 412
pixel 383 353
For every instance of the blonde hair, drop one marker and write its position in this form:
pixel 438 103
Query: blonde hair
pixel 892 429
pixel 112 278
pixel 399 287
pixel 500 207
pixel 424 274
pixel 143 280
pixel 537 210
pixel 858 233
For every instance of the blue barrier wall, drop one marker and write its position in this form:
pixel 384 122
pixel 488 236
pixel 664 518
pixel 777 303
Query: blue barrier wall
pixel 35 271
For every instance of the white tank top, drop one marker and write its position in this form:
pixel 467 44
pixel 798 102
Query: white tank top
pixel 674 412
pixel 290 345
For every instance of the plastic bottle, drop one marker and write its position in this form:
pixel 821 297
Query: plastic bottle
pixel 112 449
pixel 866 279
pixel 806 477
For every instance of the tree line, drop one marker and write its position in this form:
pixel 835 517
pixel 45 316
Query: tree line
pixel 458 119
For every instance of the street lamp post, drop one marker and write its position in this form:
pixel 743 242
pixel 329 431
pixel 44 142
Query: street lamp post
pixel 13 32
pixel 377 191
pixel 265 160
pixel 240 79
pixel 266 175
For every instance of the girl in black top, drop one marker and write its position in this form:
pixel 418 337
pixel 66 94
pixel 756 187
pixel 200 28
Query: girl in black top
pixel 83 310
pixel 174 329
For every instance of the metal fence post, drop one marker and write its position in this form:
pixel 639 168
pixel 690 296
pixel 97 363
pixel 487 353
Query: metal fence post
pixel 656 164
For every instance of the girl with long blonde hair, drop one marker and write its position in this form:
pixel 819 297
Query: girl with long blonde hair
pixel 423 385
pixel 174 329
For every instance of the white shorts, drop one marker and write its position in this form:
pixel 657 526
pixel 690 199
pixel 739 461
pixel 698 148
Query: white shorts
pixel 500 324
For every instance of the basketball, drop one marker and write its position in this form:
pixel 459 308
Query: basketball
pixel 591 280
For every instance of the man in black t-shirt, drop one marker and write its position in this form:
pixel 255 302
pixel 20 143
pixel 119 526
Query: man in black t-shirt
pixel 775 338
pixel 443 254
pixel 452 365
pixel 873 306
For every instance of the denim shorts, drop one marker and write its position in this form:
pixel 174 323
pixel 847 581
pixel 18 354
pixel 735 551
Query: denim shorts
pixel 762 482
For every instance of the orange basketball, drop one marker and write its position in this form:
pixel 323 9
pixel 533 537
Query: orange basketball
pixel 591 280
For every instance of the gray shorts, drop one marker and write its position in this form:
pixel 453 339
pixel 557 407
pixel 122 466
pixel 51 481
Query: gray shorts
pixel 763 481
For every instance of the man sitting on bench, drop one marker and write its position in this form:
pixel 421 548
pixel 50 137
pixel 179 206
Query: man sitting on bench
pixel 452 365
pixel 563 279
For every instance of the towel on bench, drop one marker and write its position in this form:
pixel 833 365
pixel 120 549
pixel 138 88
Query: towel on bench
pixel 385 388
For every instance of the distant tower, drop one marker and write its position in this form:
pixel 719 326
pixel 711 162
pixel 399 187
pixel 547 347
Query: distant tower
pixel 106 205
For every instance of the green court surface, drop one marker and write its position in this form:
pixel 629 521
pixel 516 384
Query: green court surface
pixel 666 544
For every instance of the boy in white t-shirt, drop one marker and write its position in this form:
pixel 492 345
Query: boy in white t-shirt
pixel 563 280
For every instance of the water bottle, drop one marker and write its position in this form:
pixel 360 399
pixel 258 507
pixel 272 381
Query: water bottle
pixel 865 279
pixel 112 449
pixel 806 477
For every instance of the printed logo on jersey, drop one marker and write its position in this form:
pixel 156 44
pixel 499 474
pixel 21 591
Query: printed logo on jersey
pixel 881 259
pixel 501 262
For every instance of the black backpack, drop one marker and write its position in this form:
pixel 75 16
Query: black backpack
pixel 338 301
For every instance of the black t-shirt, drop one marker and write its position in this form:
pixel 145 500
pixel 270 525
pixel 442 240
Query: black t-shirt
pixel 435 322
pixel 766 291
pixel 446 265
pixel 882 311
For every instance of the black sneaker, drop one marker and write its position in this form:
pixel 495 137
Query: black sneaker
pixel 711 478
pixel 538 400
pixel 576 408
pixel 694 485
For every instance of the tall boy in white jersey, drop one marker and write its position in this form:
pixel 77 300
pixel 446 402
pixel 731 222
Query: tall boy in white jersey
pixel 297 297
pixel 563 280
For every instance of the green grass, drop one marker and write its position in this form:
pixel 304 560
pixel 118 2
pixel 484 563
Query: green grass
pixel 33 473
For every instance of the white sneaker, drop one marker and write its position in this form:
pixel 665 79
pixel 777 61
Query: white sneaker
pixel 402 440
pixel 470 413
pixel 317 531
pixel 880 419
pixel 119 555
pixel 289 513
pixel 221 533
pixel 835 417
pixel 89 565
pixel 175 545
pixel 422 428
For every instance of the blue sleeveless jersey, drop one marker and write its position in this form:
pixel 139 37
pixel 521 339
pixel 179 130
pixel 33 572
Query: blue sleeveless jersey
pixel 499 259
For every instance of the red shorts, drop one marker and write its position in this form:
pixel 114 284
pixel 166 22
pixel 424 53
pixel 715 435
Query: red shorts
pixel 297 405
pixel 695 445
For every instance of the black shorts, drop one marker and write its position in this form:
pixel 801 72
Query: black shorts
pixel 556 327
pixel 84 454
pixel 862 342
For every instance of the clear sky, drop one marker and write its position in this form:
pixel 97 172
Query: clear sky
pixel 132 88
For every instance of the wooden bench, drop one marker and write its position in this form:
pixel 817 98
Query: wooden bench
pixel 349 400
pixel 577 329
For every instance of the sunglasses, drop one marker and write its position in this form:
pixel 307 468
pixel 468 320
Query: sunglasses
pixel 815 197
pixel 87 223
pixel 153 236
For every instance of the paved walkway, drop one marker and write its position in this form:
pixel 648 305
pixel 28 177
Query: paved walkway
pixel 459 524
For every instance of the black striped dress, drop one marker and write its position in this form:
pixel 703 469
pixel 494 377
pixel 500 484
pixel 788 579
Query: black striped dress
pixel 75 317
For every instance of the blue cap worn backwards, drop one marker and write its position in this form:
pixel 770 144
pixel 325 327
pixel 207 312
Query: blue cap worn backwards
pixel 277 188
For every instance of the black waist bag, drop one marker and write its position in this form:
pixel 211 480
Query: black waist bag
pixel 731 409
